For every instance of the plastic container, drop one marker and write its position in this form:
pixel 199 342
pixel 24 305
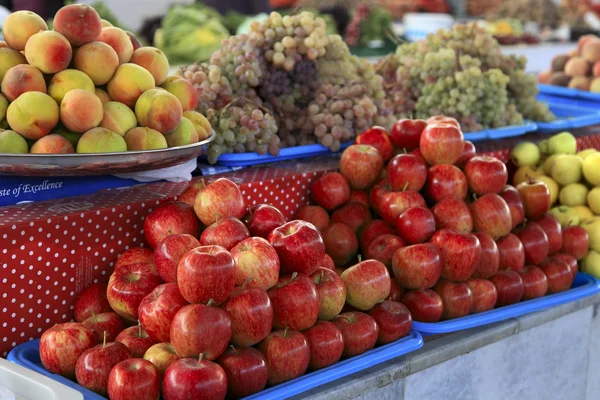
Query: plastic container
pixel 501 133
pixel 27 355
pixel 26 384
pixel 583 286
pixel 569 115
pixel 567 92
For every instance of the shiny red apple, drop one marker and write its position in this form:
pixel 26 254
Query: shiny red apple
pixel 255 258
pixel 361 165
pixel 535 283
pixel 61 346
pixel 377 192
pixel 108 323
pixel 287 355
pixel 220 199
pixel 491 215
pixel 373 230
pixel 453 214
pixel 261 219
pixel 340 243
pixel 359 330
pixel 194 378
pixel 299 246
pixel 513 199
pixel 484 294
pixel 418 266
pixel 168 253
pixel 441 143
pixel 295 302
pixel 445 182
pixel 569 259
pixel 396 292
pixel 558 272
pixel 535 242
pixel 134 378
pixel 424 305
pixel 490 257
pixel 460 254
pixel 393 319
pixel 170 218
pixel 91 299
pixel 315 215
pixel 226 232
pixel 383 248
pixel 331 292
pixel 576 242
pixel 158 309
pixel 509 287
pixel 468 152
pixel 136 339
pixel 406 133
pixel 367 283
pixel 407 172
pixel 246 371
pixel 393 204
pixel 553 231
pixel 251 314
pixel 377 137
pixel 94 365
pixel 161 355
pixel 485 175
pixel 456 297
pixel 189 195
pixel 535 196
pixel 415 225
pixel 330 191
pixel 326 344
pixel 135 255
pixel 353 214
pixel 359 196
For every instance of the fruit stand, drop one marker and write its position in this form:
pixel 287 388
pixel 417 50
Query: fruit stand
pixel 288 220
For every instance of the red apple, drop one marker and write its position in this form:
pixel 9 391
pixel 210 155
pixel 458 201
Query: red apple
pixel 359 330
pixel 316 215
pixel 108 323
pixel 170 218
pixel 361 165
pixel 484 294
pixel 486 175
pixel 377 192
pixel 372 231
pixel 393 204
pixel 326 262
pixel 490 257
pixel 456 297
pixel 255 258
pixel 128 285
pixel 553 231
pixel 406 171
pixel 535 283
pixel 424 305
pixel 61 346
pixel 359 196
pixel 353 214
pixel 299 246
pixel 460 254
pixel 383 248
pixel 415 225
pixel 367 283
pixel 441 144
pixel 396 292
pixel 536 198
pixel 134 378
pixel 509 286
pixel 204 273
pixel 417 267
pixel 340 243
pixel 576 241
pixel 136 339
pixel 246 371
pixel 135 255
pixel 558 272
pixel 226 232
pixel 194 378
pixel 417 153
pixel 189 195
pixel 445 182
pixel 158 309
pixel 393 319
pixel 468 152
pixel 569 259
pixel 326 344
pixel 453 214
pixel 200 329
pixel 295 302
pixel 169 252
pixel 91 300
pixel 161 355
pixel 377 137
pixel 287 355
pixel 535 242
pixel 220 199
pixel 511 252
pixel 513 199
pixel 331 191
pixel 261 219
pixel 94 365
pixel 406 133
pixel 443 120
pixel 251 314
pixel 331 292
pixel 491 215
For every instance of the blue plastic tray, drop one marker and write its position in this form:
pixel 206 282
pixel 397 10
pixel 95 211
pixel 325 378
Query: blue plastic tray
pixel 569 116
pixel 501 133
pixel 28 355
pixel 570 101
pixel 583 286
pixel 567 92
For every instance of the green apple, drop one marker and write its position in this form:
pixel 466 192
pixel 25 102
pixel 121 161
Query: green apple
pixel 591 263
pixel 591 169
pixel 593 200
pixel 585 153
pixel 583 212
pixel 549 163
pixel 12 142
pixel 562 143
pixel 543 146
pixel 592 227
pixel 565 216
pixel 567 169
pixel 574 194
pixel 552 187
pixel 523 174
pixel 525 154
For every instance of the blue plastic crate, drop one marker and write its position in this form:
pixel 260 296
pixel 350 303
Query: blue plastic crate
pixel 583 286
pixel 567 92
pixel 28 355
pixel 569 115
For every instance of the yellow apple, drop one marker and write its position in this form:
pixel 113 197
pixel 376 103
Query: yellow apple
pixel 592 227
pixel 583 212
pixel 562 143
pixel 591 263
pixel 524 173
pixel 549 163
pixel 583 154
pixel 591 169
pixel 565 216
pixel 593 200
pixel 567 169
pixel 543 145
pixel 574 194
pixel 552 186
pixel 525 154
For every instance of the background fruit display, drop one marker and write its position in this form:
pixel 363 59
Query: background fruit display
pixel 88 87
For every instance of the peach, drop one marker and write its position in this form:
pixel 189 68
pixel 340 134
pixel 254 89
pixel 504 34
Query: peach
pixel 591 51
pixel 596 69
pixel 105 23
pixel 119 41
pixel 134 40
pixel 183 90
pixel 8 59
pixel 68 80
pixel 13 143
pixel 102 95
pixel 3 107
pixel 72 137
pixel 560 79
pixel 20 26
pixel 129 82
pixel 20 79
pixel 118 118
pixel 577 66
pixel 583 40
pixel 201 124
pixel 81 110
pixel 52 144
pixel 580 82
pixel 544 76
pixel 154 61
pixel 48 51
pixel 145 139
pixel 33 115
pixel 98 60
pixel 79 23
pixel 184 134
pixel 101 140
pixel 595 85
pixel 159 110
pixel 558 62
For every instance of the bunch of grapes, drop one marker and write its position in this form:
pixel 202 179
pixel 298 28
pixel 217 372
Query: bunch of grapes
pixel 214 90
pixel 240 61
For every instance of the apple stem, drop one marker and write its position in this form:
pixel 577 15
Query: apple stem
pixel 202 183
pixel 249 211
pixel 212 249
pixel 359 258
pixel 404 150
pixel 233 348
pixel 246 282
pixel 474 196
pixel 200 357
pixel 217 217
pixel 104 340
pixel 94 317
pixel 170 232
pixel 139 329
pixel 294 275
pixel 405 187
pixel 210 302
pixel 570 222
pixel 321 276
pixel 285 332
